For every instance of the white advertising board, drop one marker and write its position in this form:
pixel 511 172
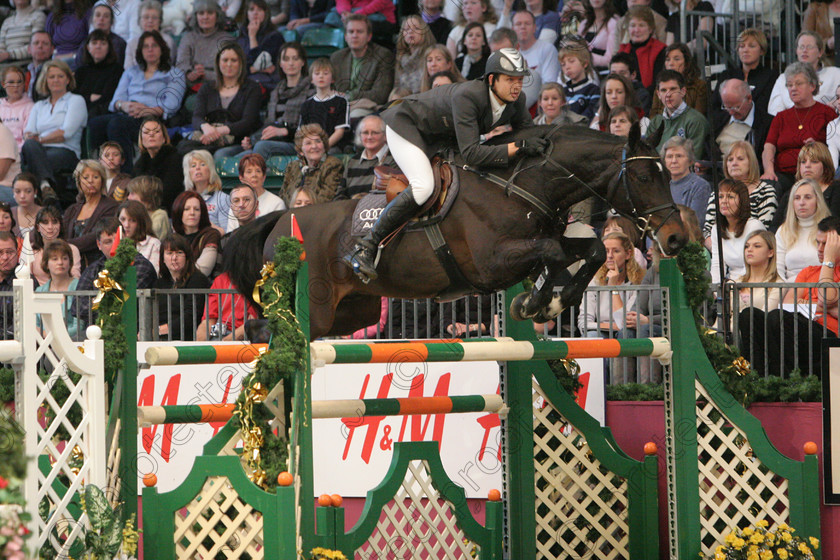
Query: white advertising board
pixel 351 455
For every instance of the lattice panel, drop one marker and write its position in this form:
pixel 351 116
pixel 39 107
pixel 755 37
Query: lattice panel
pixel 217 523
pixel 62 434
pixel 417 524
pixel 581 507
pixel 736 489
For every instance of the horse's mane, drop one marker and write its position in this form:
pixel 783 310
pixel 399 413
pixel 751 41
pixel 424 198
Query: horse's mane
pixel 562 134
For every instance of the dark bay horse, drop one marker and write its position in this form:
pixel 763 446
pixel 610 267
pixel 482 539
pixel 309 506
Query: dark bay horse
pixel 497 237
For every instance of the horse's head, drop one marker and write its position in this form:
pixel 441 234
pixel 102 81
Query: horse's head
pixel 644 191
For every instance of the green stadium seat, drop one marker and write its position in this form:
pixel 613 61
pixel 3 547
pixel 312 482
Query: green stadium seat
pixel 322 42
pixel 290 35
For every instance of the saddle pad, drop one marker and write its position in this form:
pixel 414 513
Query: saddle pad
pixel 366 213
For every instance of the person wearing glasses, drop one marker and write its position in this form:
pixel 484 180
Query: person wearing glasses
pixel 792 128
pixel 739 118
pixel 810 49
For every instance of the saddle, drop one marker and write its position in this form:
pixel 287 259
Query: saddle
pixel 393 182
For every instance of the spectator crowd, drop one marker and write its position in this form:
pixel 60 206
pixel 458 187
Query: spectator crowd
pixel 121 116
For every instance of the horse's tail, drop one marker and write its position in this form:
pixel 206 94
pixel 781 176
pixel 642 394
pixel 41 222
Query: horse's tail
pixel 242 257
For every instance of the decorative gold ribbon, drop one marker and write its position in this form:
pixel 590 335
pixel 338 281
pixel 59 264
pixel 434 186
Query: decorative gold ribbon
pixel 252 436
pixel 741 366
pixel 105 284
pixel 266 273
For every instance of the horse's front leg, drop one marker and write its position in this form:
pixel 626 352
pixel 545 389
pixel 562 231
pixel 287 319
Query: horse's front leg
pixel 593 254
pixel 553 260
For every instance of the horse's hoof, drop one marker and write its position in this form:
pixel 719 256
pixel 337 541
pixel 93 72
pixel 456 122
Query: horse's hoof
pixel 517 307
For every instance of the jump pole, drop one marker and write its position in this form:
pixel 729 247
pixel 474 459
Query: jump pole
pixel 349 408
pixel 500 350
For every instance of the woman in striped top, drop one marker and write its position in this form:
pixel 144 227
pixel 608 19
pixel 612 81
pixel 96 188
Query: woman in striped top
pixel 741 164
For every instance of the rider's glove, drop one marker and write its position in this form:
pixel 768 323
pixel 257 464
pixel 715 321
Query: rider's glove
pixel 532 147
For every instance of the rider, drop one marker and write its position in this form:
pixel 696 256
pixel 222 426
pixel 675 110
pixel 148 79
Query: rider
pixel 417 126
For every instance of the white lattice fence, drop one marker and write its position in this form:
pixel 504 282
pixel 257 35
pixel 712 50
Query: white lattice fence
pixel 417 524
pixel 736 489
pixel 62 415
pixel 581 507
pixel 217 521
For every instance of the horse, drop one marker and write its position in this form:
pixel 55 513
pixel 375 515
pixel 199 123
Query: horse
pixel 504 226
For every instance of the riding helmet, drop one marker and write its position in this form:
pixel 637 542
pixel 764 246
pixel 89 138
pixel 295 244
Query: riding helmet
pixel 506 61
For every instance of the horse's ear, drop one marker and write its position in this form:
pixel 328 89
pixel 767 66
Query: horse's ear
pixel 635 137
pixel 655 137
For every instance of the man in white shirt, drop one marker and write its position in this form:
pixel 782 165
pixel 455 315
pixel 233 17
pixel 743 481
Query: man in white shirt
pixel 541 56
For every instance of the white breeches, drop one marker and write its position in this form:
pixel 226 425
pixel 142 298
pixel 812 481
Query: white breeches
pixel 414 163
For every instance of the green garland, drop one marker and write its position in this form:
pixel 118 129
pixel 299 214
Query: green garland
pixel 110 309
pixel 286 356
pixel 742 382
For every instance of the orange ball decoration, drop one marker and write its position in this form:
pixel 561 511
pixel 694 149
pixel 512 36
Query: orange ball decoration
pixel 324 500
pixel 336 500
pixel 285 479
pixel 650 448
pixel 494 495
pixel 810 448
pixel 149 479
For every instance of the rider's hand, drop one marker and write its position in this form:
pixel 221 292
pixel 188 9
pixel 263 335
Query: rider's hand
pixel 532 147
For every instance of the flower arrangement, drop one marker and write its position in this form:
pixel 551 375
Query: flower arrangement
pixel 13 531
pixel 759 543
pixel 326 554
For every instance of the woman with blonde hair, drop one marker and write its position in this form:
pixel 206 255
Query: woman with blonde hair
pixel 200 175
pixel 92 206
pixel 481 11
pixel 795 239
pixel 314 169
pixel 741 164
pixel 815 163
pixel 415 38
pixel 754 303
pixel 438 59
pixel 53 134
pixel 620 269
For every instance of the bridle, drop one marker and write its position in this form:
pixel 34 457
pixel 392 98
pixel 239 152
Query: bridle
pixel 643 220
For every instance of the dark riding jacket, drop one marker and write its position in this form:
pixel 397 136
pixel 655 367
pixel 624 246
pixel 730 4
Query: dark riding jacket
pixel 456 115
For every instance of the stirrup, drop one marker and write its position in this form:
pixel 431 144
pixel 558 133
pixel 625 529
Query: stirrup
pixel 369 273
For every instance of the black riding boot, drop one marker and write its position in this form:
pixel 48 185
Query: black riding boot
pixel 398 212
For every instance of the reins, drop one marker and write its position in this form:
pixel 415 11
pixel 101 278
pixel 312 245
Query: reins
pixel 642 221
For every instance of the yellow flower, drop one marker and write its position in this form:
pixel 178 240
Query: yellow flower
pixel 752 556
pixel 730 538
pixel 748 531
pixel 803 548
pixel 770 539
pixel 752 548
pixel 766 555
pixel 762 523
pixel 738 544
pixel 785 536
pixel 757 538
pixel 718 550
pixel 784 526
pixel 720 556
pixel 783 554
pixel 815 543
